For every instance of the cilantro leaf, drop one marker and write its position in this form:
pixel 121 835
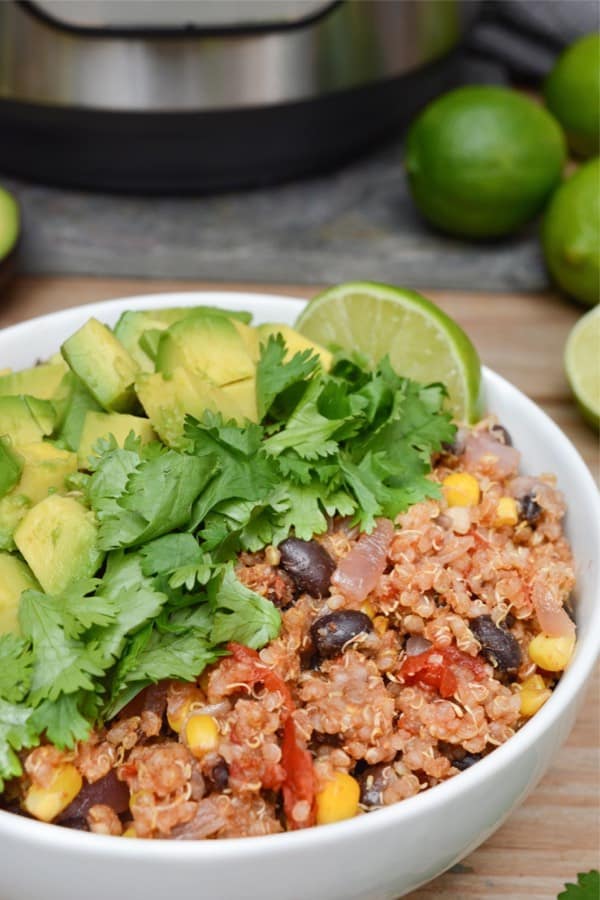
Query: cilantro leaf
pixel 307 431
pixel 15 668
pixel 140 496
pixel 135 597
pixel 241 614
pixel 61 720
pixel 274 375
pixel 587 887
pixel 179 557
pixel 16 733
pixel 61 664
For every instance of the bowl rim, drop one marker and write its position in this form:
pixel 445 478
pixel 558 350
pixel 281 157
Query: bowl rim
pixel 571 684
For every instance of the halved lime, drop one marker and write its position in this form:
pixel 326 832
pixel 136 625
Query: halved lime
pixel 582 364
pixel 423 343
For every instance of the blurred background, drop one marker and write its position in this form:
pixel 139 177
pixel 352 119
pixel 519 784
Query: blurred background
pixel 262 141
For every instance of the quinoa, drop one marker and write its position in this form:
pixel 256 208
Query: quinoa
pixel 400 706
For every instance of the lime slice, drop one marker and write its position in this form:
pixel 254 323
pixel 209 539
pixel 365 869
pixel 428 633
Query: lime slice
pixel 582 364
pixel 423 343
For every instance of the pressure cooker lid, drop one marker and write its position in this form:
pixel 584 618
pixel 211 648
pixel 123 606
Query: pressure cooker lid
pixel 178 15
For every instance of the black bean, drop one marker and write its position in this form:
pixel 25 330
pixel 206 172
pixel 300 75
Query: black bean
pixel 77 823
pixel 468 760
pixel 373 782
pixel 499 646
pixel 530 509
pixel 309 565
pixel 332 632
pixel 219 775
pixel 499 433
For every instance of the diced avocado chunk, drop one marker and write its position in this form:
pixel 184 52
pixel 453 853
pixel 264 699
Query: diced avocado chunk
pixel 243 393
pixel 44 471
pixel 25 419
pixel 100 425
pixel 251 340
pixel 40 381
pixel 15 577
pixel 58 539
pixel 103 364
pixel 296 342
pixel 11 466
pixel 206 344
pixel 73 401
pixel 45 468
pixel 134 323
pixel 168 399
pixel 149 342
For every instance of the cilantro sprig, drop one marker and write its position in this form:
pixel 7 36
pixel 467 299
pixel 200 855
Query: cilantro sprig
pixel 351 442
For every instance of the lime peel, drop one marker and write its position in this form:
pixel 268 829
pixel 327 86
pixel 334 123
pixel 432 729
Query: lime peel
pixel 582 365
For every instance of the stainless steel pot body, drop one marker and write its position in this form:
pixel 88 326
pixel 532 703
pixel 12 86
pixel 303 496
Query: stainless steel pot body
pixel 183 68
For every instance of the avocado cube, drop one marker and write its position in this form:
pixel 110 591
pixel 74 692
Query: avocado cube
pixel 58 538
pixel 133 324
pixel 11 466
pixel 12 509
pixel 25 419
pixel 103 364
pixel 243 393
pixel 72 402
pixel 295 342
pixel 206 344
pixel 100 425
pixel 40 381
pixel 15 577
pixel 149 343
pixel 45 469
pixel 167 401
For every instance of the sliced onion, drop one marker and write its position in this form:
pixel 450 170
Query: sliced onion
pixel 359 571
pixel 417 644
pixel 480 445
pixel 552 616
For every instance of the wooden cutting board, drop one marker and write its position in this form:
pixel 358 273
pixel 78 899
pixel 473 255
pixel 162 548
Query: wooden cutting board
pixel 556 832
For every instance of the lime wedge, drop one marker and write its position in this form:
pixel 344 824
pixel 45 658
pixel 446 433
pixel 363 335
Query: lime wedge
pixel 582 364
pixel 423 343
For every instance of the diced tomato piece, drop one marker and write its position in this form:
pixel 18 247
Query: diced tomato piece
pixel 437 669
pixel 299 783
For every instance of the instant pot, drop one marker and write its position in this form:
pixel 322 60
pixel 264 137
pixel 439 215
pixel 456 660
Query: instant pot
pixel 182 95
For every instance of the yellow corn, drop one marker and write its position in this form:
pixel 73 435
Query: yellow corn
pixel 552 653
pixel 507 512
pixel 45 803
pixel 201 734
pixel 176 717
pixel 338 800
pixel 129 832
pixel 534 694
pixel 461 489
pixel 380 624
pixel 368 609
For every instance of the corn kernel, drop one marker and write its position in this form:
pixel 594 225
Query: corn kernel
pixel 176 716
pixel 45 803
pixel 129 832
pixel 338 800
pixel 552 653
pixel 368 609
pixel 461 489
pixel 534 694
pixel 507 512
pixel 380 624
pixel 201 734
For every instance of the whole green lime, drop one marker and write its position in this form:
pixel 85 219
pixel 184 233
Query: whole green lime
pixel 572 93
pixel 482 160
pixel 571 234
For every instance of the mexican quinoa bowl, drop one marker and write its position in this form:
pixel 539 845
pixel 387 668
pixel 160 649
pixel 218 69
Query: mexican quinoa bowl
pixel 405 653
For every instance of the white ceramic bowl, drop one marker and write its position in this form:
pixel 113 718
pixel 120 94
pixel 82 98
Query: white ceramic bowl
pixel 378 856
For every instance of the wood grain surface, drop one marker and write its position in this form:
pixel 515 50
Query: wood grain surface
pixel 556 832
